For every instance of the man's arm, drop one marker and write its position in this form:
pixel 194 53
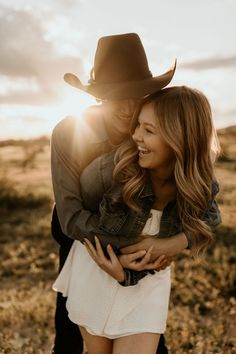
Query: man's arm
pixel 68 150
pixel 69 155
pixel 66 169
pixel 174 245
pixel 169 246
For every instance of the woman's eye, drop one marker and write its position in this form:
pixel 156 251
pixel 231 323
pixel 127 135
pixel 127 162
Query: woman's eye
pixel 149 131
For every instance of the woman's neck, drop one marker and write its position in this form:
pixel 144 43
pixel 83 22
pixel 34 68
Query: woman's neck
pixel 164 188
pixel 163 176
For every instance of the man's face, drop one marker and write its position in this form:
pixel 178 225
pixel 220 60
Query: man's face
pixel 118 115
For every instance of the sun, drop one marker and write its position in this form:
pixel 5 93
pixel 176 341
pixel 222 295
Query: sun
pixel 28 121
pixel 74 103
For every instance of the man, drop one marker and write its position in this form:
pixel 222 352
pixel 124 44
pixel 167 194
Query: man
pixel 119 78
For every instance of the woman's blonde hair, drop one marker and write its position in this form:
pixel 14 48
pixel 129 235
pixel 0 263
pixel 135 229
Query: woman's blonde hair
pixel 184 119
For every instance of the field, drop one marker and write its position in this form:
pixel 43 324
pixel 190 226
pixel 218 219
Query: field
pixel 203 304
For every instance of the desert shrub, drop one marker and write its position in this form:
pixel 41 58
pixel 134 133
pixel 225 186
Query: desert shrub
pixel 224 158
pixel 10 198
pixel 30 156
pixel 42 141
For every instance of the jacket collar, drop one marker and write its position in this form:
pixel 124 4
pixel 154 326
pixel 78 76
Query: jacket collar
pixel 147 190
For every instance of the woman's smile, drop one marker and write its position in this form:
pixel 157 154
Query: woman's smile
pixel 154 152
pixel 143 151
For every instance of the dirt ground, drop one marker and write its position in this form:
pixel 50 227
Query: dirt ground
pixel 202 305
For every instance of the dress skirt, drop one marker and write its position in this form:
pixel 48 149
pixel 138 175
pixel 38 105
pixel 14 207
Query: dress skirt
pixel 99 303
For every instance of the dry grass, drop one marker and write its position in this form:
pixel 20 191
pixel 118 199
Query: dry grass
pixel 202 308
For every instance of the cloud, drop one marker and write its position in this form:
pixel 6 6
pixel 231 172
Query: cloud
pixel 230 112
pixel 27 54
pixel 211 63
pixel 30 98
pixel 23 39
pixel 67 3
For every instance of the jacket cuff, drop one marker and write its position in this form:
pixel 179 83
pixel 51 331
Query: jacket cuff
pixel 132 277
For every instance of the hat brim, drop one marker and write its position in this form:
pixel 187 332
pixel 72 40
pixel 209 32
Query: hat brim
pixel 123 90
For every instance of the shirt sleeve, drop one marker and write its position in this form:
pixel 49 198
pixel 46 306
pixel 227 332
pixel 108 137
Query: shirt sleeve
pixel 132 277
pixel 68 150
pixel 68 147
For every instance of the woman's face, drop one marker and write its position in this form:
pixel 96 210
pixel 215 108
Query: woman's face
pixel 154 152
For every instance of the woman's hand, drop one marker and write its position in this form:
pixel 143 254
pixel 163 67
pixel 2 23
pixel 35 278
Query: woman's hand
pixel 111 266
pixel 141 260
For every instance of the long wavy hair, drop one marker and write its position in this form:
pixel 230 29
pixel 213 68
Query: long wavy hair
pixel 184 119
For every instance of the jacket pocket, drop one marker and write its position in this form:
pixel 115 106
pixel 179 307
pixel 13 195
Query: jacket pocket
pixel 113 214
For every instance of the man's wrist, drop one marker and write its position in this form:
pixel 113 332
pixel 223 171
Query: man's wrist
pixel 184 242
pixel 176 245
pixel 189 239
pixel 181 242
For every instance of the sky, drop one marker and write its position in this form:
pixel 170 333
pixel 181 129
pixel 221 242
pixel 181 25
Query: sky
pixel 41 40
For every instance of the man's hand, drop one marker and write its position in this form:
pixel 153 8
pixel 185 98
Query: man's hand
pixel 111 266
pixel 170 247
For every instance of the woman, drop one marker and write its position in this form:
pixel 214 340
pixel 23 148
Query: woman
pixel 163 185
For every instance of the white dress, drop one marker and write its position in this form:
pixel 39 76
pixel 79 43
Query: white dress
pixel 99 303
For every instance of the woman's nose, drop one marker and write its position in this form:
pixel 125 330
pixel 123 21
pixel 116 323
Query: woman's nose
pixel 137 136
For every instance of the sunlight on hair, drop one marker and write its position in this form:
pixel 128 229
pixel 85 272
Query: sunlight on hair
pixel 215 147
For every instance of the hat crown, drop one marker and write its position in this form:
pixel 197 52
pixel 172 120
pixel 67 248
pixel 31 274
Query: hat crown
pixel 121 70
pixel 120 58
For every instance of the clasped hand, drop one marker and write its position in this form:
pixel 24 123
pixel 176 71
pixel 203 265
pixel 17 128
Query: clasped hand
pixel 114 265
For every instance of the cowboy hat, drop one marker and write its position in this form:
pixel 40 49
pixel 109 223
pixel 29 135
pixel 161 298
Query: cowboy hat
pixel 121 70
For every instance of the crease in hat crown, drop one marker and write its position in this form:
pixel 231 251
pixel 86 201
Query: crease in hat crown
pixel 121 70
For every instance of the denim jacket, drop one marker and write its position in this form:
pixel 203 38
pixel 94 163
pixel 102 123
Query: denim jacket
pixel 102 196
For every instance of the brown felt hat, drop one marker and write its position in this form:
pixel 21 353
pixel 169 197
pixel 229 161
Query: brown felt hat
pixel 121 70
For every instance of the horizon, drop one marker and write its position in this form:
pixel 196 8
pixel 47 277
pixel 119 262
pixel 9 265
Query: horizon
pixel 226 129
